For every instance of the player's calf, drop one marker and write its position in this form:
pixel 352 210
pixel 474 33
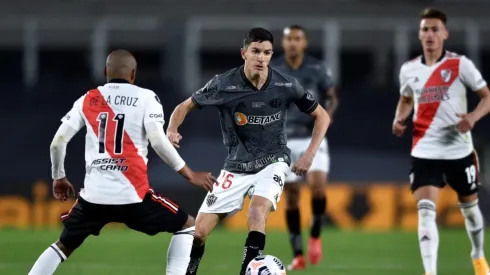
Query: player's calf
pixel 317 182
pixel 205 224
pixel 293 218
pixel 475 227
pixel 179 249
pixel 427 227
pixel 49 260
pixel 257 217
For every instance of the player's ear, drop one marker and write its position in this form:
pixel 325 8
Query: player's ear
pixel 242 53
pixel 133 75
pixel 446 34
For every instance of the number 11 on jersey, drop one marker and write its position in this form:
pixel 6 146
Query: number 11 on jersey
pixel 118 135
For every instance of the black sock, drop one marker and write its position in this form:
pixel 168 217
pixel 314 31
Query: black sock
pixel 196 256
pixel 318 207
pixel 294 227
pixel 254 247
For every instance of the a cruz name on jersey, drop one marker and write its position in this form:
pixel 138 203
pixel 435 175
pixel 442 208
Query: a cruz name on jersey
pixel 128 101
pixel 439 93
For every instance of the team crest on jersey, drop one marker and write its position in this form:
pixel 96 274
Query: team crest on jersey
pixel 446 75
pixel 211 199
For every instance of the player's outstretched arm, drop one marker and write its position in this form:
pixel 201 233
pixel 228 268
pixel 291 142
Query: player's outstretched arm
pixel 176 119
pixel 468 121
pixel 403 110
pixel 322 121
pixel 163 147
pixel 61 186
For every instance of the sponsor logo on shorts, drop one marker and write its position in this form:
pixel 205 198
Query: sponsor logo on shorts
pixel 243 119
pixel 279 181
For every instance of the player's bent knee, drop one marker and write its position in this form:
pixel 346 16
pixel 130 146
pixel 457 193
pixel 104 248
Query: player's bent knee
pixel 257 216
pixel 317 181
pixel 66 251
pixel 191 222
pixel 428 192
pixel 468 199
pixel 292 192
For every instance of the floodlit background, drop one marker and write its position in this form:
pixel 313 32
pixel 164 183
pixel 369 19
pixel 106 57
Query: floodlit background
pixel 53 51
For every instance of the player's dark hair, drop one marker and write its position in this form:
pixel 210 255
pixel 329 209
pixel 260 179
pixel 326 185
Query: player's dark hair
pixel 431 13
pixel 257 35
pixel 296 27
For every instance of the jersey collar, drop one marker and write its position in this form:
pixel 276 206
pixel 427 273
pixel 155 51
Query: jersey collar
pixel 118 80
pixel 439 59
pixel 247 82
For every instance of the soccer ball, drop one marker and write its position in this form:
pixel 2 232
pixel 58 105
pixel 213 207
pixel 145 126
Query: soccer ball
pixel 265 265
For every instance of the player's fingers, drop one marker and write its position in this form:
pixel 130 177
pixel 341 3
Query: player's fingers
pixel 176 145
pixel 460 115
pixel 212 178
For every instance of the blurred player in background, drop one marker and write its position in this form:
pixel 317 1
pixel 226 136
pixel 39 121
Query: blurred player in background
pixel 252 101
pixel 316 79
pixel 120 118
pixel 442 147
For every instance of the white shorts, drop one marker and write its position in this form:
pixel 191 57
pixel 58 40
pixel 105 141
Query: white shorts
pixel 298 147
pixel 228 196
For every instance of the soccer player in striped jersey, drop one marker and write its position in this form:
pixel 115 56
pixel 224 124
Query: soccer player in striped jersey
pixel 120 118
pixel 442 148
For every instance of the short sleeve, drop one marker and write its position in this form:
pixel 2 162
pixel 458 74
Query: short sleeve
pixel 74 118
pixel 326 81
pixel 470 75
pixel 208 95
pixel 305 101
pixel 153 110
pixel 405 89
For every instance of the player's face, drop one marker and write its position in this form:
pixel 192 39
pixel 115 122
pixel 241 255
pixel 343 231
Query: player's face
pixel 257 56
pixel 432 34
pixel 294 42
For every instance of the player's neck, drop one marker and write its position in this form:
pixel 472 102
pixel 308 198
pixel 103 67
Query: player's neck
pixel 432 57
pixel 295 61
pixel 258 80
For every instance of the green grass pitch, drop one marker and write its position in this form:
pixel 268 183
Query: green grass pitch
pixel 124 252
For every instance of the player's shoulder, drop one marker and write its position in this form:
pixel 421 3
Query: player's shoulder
pixel 312 61
pixel 143 91
pixel 411 64
pixel 282 77
pixel 277 61
pixel 454 55
pixel 223 78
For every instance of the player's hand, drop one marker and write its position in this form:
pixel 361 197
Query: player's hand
pixel 466 123
pixel 302 166
pixel 203 179
pixel 174 137
pixel 62 189
pixel 399 127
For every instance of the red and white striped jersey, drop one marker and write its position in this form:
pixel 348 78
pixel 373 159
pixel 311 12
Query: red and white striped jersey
pixel 116 143
pixel 439 93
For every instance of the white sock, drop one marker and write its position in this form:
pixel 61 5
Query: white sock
pixel 47 263
pixel 179 251
pixel 473 220
pixel 428 235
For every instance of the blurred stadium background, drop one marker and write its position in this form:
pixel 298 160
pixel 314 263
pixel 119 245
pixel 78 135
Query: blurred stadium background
pixel 53 51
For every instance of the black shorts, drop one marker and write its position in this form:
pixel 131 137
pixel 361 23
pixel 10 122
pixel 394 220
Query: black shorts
pixel 153 215
pixel 461 174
